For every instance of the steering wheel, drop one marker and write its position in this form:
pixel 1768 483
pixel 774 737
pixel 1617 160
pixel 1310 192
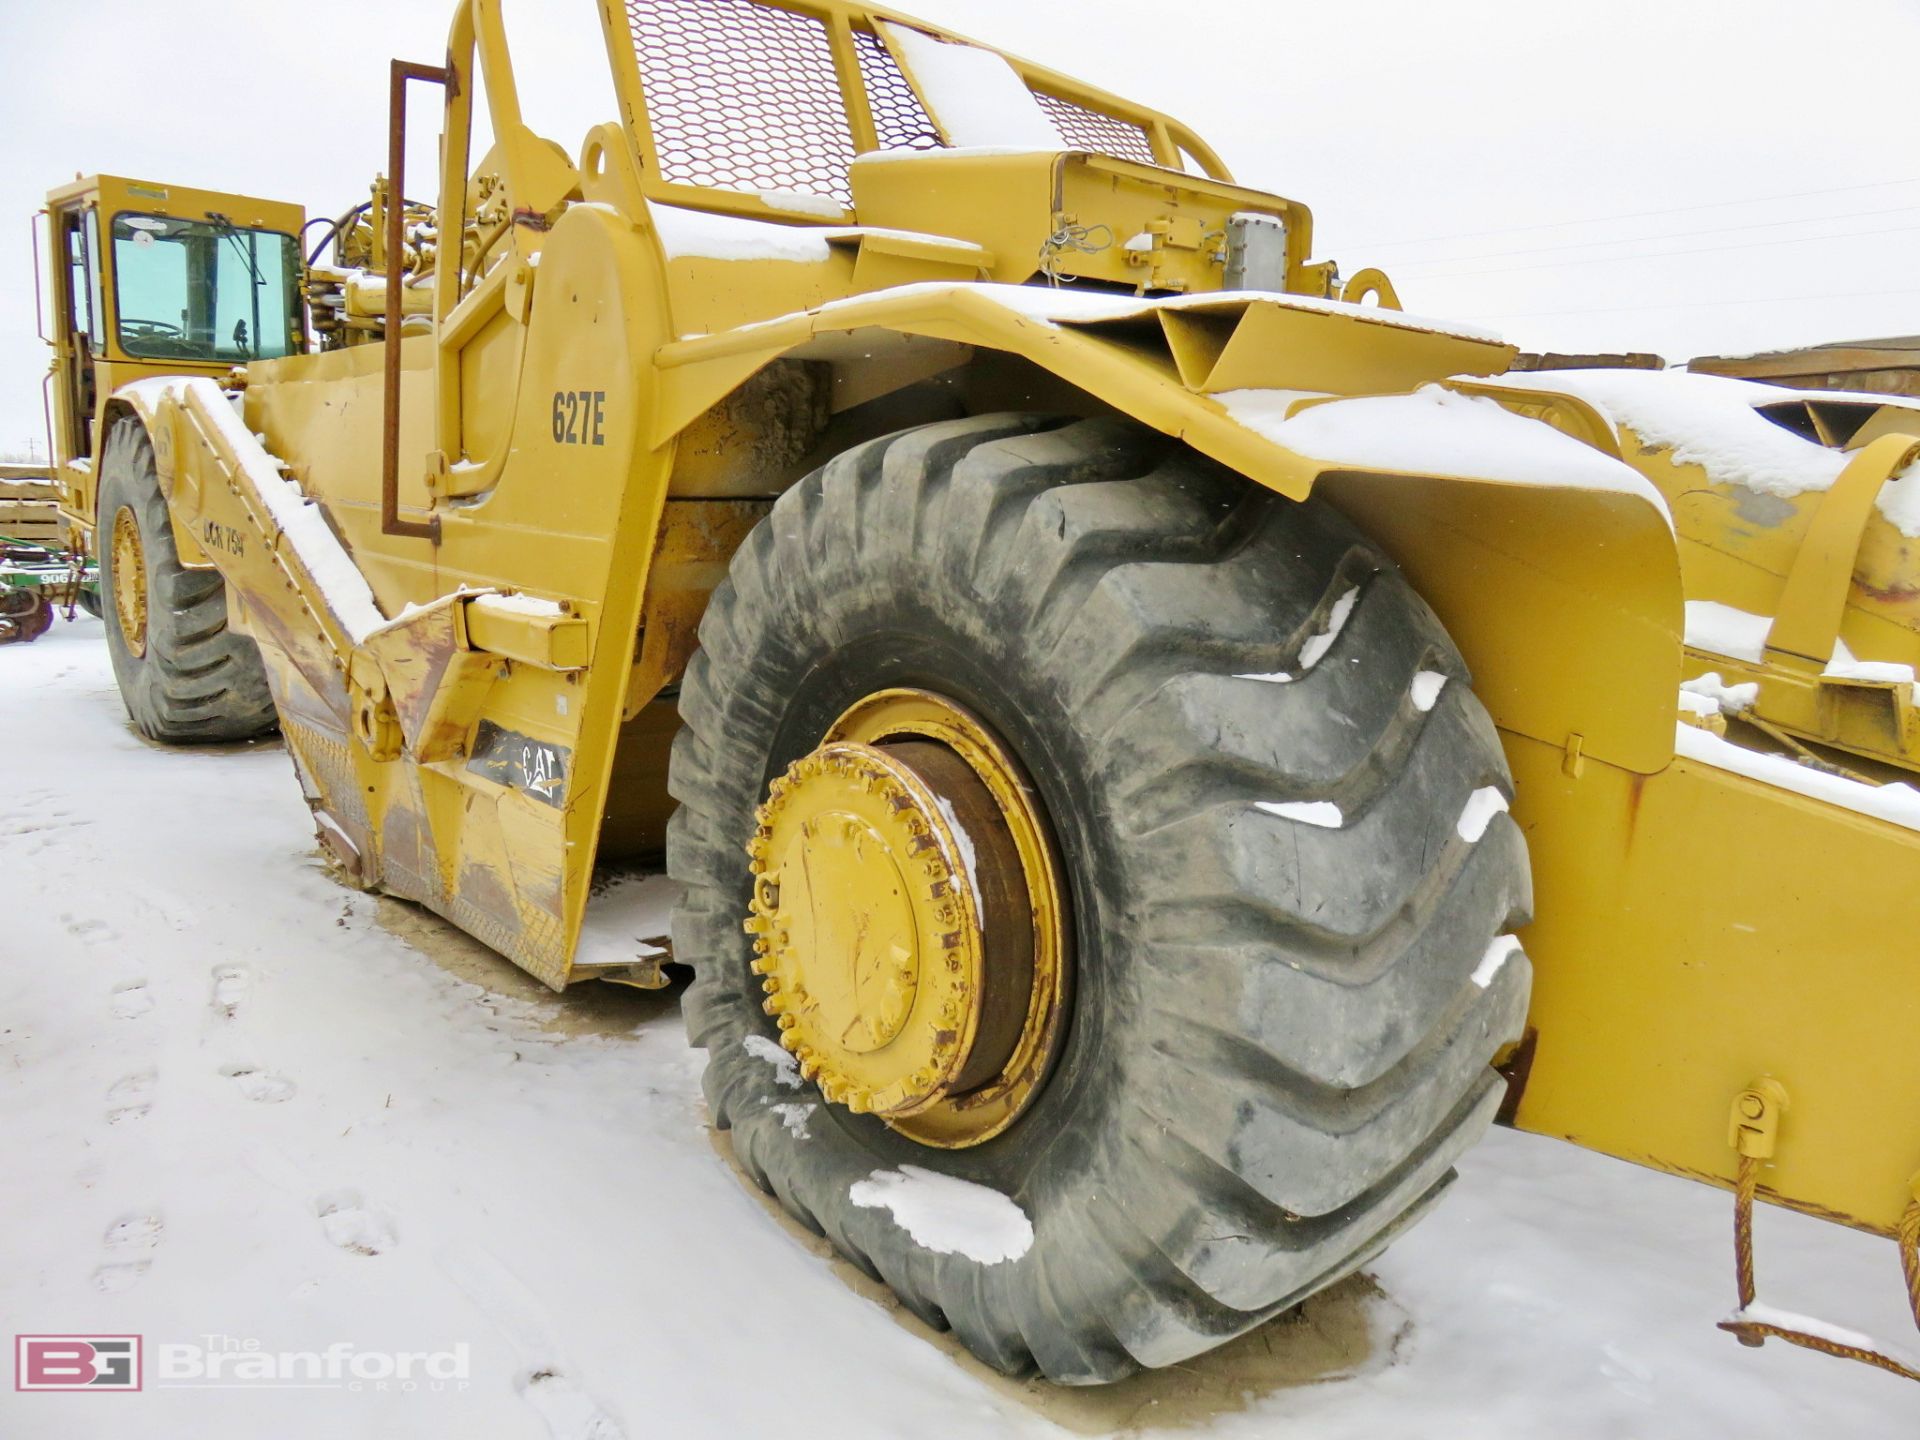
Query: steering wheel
pixel 151 327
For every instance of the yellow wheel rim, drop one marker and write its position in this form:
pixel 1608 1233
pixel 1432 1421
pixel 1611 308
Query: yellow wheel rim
pixel 908 919
pixel 130 582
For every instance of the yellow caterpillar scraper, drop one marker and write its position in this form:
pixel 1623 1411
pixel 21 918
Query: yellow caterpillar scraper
pixel 1142 727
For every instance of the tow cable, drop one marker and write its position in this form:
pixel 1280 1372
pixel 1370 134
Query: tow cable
pixel 1753 1132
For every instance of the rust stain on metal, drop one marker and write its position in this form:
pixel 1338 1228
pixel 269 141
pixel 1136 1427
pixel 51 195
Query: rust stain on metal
pixel 1891 594
pixel 1516 1071
pixel 482 887
pixel 1636 788
pixel 1804 1207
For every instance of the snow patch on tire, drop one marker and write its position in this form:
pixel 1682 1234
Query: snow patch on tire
pixel 947 1215
pixel 794 1117
pixel 1482 805
pixel 1502 949
pixel 1427 686
pixel 1318 643
pixel 1323 813
pixel 786 1069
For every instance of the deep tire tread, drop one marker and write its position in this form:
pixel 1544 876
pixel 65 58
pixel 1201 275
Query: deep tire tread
pixel 1282 1052
pixel 199 681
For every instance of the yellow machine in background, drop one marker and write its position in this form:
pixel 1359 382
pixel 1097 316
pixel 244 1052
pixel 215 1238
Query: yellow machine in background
pixel 1139 729
pixel 221 274
pixel 162 280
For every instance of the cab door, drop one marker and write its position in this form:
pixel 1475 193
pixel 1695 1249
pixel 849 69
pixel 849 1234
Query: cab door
pixel 79 326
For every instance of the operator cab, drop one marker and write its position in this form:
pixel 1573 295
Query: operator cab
pixel 164 278
pixel 152 280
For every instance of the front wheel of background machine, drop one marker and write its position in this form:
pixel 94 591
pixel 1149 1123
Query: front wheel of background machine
pixel 184 675
pixel 1274 880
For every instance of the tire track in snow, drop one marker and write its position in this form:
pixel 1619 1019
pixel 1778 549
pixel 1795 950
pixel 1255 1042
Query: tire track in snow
pixel 568 1411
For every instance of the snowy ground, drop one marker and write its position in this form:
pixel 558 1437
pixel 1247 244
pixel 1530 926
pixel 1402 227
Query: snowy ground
pixel 237 1100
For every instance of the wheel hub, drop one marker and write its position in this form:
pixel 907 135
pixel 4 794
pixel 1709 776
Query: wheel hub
pixel 130 582
pixel 907 921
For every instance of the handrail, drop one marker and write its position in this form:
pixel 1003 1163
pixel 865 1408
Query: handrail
pixel 39 313
pixel 1813 601
pixel 390 521
pixel 40 329
pixel 54 462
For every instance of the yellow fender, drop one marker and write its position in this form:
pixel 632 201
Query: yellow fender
pixel 1556 572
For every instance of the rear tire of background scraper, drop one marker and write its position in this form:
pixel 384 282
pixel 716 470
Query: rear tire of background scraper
pixel 194 680
pixel 1277 1045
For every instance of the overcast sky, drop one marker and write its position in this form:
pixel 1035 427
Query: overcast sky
pixel 1688 176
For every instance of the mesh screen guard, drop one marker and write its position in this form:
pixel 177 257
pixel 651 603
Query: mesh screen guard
pixel 742 95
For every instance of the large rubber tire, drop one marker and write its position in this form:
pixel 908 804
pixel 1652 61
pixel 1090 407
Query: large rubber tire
pixel 198 681
pixel 1279 1043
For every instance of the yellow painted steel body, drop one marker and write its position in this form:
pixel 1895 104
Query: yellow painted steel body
pixel 577 426
pixel 1824 569
pixel 1696 929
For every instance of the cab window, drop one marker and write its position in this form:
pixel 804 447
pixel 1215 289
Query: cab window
pixel 96 312
pixel 204 289
pixel 79 232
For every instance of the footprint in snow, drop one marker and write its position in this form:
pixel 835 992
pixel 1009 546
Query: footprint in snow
pixel 174 911
pixel 91 931
pixel 230 986
pixel 132 1000
pixel 259 1085
pixel 112 1279
pixel 129 1244
pixel 569 1412
pixel 36 823
pixel 347 1221
pixel 1627 1373
pixel 131 1096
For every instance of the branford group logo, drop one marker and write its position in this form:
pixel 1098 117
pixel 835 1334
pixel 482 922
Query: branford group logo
pixel 229 1362
pixel 76 1362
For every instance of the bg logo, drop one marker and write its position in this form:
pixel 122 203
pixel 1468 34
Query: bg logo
pixel 76 1362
